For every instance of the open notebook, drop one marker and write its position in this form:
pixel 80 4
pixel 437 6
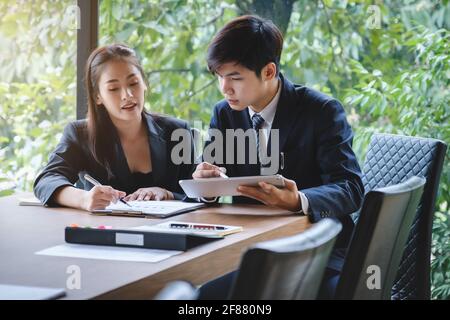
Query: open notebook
pixel 159 209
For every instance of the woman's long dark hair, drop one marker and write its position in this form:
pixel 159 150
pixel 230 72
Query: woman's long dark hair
pixel 101 130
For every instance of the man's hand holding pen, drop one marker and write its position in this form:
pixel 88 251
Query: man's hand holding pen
pixel 208 170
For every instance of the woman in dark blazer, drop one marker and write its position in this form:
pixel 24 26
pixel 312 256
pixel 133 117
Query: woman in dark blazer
pixel 125 148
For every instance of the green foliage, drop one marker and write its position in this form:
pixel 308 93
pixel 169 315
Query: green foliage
pixel 37 38
pixel 395 79
pixel 172 38
pixel 37 85
pixel 440 265
pixel 39 112
pixel 392 78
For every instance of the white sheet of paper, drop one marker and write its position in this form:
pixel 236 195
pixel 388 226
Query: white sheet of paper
pixel 13 292
pixel 108 253
pixel 30 201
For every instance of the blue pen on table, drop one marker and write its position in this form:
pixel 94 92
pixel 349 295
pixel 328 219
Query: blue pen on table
pixel 96 183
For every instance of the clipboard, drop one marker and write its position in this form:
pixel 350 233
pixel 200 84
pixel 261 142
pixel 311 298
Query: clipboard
pixel 217 187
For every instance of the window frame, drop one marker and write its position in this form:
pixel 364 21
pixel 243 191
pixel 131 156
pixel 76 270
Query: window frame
pixel 87 41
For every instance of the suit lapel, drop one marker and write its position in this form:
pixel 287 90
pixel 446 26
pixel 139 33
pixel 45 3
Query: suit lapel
pixel 286 113
pixel 158 150
pixel 121 169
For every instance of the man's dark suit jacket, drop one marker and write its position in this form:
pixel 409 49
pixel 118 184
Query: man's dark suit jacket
pixel 72 159
pixel 316 140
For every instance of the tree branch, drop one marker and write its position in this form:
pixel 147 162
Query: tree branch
pixel 214 19
pixel 167 70
pixel 206 86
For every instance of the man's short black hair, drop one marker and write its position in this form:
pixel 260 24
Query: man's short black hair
pixel 248 40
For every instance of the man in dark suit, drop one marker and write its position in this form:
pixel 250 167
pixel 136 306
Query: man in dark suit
pixel 322 175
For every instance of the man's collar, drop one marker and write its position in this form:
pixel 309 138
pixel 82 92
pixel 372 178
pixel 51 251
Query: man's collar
pixel 268 112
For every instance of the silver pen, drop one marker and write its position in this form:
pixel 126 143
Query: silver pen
pixel 96 183
pixel 282 160
pixel 222 174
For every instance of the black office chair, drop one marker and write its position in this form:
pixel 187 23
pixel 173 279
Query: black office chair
pixel 392 159
pixel 287 268
pixel 379 240
pixel 177 290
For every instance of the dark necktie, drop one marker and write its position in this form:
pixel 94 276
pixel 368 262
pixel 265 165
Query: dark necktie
pixel 257 122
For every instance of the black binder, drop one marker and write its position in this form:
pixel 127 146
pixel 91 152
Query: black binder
pixel 136 239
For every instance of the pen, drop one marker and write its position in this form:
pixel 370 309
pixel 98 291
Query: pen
pixel 282 160
pixel 96 183
pixel 196 226
pixel 223 175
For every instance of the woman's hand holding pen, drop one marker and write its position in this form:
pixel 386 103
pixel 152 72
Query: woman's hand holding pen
pixel 153 193
pixel 100 197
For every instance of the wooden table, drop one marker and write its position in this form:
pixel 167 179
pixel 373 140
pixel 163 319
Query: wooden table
pixel 25 230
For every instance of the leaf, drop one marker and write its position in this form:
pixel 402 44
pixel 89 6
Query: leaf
pixel 158 28
pixel 124 35
pixel 5 193
pixel 377 73
pixel 117 11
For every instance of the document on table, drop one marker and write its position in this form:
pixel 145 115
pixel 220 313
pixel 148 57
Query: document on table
pixel 159 209
pixel 108 253
pixel 13 292
pixel 30 201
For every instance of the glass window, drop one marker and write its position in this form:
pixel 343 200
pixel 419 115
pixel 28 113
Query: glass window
pixel 171 38
pixel 37 84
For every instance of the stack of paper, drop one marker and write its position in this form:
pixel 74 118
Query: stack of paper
pixel 30 201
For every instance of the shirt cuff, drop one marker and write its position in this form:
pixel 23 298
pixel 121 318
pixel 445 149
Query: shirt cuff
pixel 207 200
pixel 304 202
